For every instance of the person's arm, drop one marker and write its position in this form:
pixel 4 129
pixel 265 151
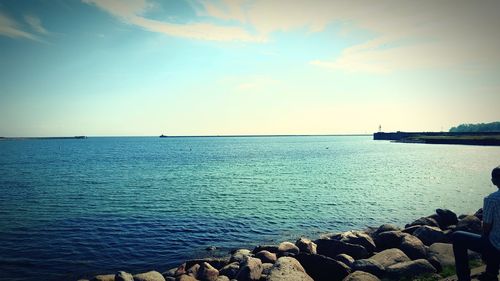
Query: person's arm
pixel 488 212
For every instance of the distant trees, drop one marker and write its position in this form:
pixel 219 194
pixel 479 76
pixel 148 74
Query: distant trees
pixel 481 127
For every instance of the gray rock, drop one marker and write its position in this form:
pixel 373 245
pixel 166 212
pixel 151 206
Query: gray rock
pixel 446 217
pixel 469 224
pixel 288 269
pixel 331 248
pixel 266 256
pixel 222 278
pixel 169 278
pixel 388 240
pixel 346 259
pixel 266 268
pixel 306 245
pixel 443 252
pixel 104 277
pixel 230 270
pixel 149 276
pixel 424 221
pixel 185 277
pixel 361 276
pixel 270 248
pixel 123 276
pixel 180 270
pixel 357 238
pixel 207 272
pixel 218 263
pixel 250 270
pixel 322 268
pixel 288 247
pixel 409 269
pixel 193 270
pixel 390 256
pixel 170 272
pixel 240 255
pixel 413 247
pixel 370 266
pixel 384 228
pixel 411 229
pixel 429 234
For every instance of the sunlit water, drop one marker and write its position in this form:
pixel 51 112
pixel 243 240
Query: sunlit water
pixel 74 208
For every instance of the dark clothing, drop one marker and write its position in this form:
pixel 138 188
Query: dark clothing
pixel 463 241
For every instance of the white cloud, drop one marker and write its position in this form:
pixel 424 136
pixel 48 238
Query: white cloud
pixel 35 24
pixel 10 28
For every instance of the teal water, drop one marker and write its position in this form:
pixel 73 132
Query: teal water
pixel 73 208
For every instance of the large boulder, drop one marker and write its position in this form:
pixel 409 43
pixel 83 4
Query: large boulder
pixel 270 248
pixel 390 256
pixel 357 238
pixel 469 224
pixel 361 276
pixel 149 276
pixel 207 272
pixel 286 248
pixel 306 245
pixel 240 255
pixel 322 268
pixel 409 269
pixel 384 228
pixel 288 269
pixel 230 270
pixel 389 239
pixel 429 234
pixel 345 259
pixel 370 266
pixel 250 270
pixel 185 277
pixel 266 256
pixel 332 248
pixel 413 247
pixel 193 270
pixel 424 221
pixel 123 276
pixel 443 253
pixel 446 217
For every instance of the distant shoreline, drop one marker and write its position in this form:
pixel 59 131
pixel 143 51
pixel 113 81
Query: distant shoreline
pixel 462 138
pixel 187 136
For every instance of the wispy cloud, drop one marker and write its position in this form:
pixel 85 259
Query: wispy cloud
pixel 35 23
pixel 131 12
pixel 10 28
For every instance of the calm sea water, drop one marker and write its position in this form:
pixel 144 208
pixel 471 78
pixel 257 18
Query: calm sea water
pixel 74 208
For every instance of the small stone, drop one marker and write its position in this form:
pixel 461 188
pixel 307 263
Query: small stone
pixel 288 247
pixel 306 245
pixel 193 270
pixel 123 276
pixel 230 270
pixel 207 272
pixel 266 256
pixel 250 270
pixel 240 255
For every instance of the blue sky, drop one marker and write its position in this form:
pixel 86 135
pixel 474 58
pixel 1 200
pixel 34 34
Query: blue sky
pixel 106 67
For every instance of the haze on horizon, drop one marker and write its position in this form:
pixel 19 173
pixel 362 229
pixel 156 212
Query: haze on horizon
pixel 196 67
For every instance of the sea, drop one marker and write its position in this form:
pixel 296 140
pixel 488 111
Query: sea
pixel 74 208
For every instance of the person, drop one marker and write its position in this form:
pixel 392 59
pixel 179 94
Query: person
pixel 488 244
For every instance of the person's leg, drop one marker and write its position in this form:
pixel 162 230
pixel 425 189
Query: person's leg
pixel 463 241
pixel 492 258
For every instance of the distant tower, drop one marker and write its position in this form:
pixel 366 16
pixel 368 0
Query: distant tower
pixel 379 128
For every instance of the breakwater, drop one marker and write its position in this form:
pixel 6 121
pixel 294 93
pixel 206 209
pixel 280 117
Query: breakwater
pixel 420 248
pixel 463 138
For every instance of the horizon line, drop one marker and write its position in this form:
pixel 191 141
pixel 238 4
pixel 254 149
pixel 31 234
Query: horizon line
pixel 188 136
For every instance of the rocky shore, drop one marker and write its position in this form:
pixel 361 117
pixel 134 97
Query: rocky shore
pixel 421 249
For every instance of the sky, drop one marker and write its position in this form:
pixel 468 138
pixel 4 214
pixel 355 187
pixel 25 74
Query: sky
pixel 196 67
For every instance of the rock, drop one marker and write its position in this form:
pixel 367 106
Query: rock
pixel 357 238
pixel 250 270
pixel 332 248
pixel 270 248
pixel 429 234
pixel 443 252
pixel 170 272
pixel 180 270
pixel 409 269
pixel 207 272
pixel 123 276
pixel 346 259
pixel 306 245
pixel 322 268
pixel 479 214
pixel 288 269
pixel 390 256
pixel 370 266
pixel 266 268
pixel 411 229
pixel 149 276
pixel 435 263
pixel 240 255
pixel 288 247
pixel 218 263
pixel 230 270
pixel 469 224
pixel 361 276
pixel 266 256
pixel 104 277
pixel 222 278
pixel 185 277
pixel 384 228
pixel 413 247
pixel 193 270
pixel 388 240
pixel 446 217
pixel 424 221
